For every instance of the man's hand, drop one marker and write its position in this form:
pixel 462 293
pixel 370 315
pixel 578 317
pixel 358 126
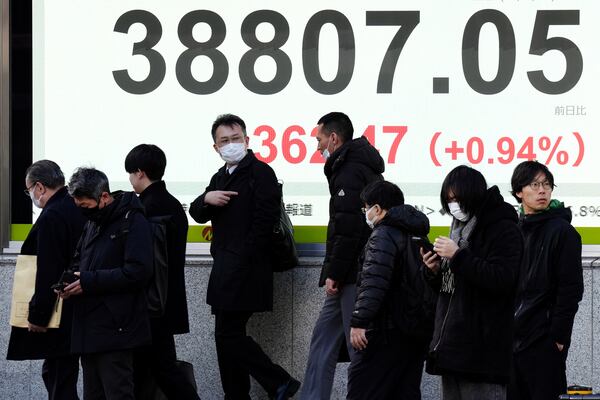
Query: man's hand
pixel 219 198
pixel 331 287
pixel 445 247
pixel 560 346
pixel 36 328
pixel 358 338
pixel 73 289
pixel 431 260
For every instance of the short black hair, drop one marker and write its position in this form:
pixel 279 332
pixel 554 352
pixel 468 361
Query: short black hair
pixel 46 172
pixel 339 123
pixel 227 120
pixel 88 183
pixel 525 173
pixel 148 158
pixel 468 186
pixel 384 193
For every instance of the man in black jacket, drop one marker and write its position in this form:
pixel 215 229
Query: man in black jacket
pixel 550 287
pixel 242 201
pixel 146 164
pixel 351 165
pixel 52 239
pixel 114 259
pixel 390 325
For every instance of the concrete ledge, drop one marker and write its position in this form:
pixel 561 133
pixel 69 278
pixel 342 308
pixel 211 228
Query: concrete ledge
pixel 284 334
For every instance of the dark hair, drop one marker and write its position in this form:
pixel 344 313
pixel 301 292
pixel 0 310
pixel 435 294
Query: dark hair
pixel 339 123
pixel 47 173
pixel 228 120
pixel 89 183
pixel 384 193
pixel 148 158
pixel 468 186
pixel 525 173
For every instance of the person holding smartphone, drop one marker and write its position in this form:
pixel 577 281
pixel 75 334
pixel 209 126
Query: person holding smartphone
pixel 475 270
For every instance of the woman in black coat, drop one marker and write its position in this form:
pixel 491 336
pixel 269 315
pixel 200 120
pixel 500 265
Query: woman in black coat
pixel 475 269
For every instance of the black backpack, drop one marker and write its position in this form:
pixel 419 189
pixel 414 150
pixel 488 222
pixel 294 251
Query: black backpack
pixel 156 291
pixel 285 254
pixel 413 300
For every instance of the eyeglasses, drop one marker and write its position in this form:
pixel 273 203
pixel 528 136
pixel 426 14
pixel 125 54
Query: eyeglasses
pixel 26 191
pixel 365 209
pixel 536 185
pixel 232 139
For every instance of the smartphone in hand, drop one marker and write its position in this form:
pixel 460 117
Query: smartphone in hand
pixel 423 242
pixel 65 280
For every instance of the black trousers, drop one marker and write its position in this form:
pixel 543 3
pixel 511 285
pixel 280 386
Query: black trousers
pixel 240 356
pixel 390 367
pixel 60 377
pixel 157 362
pixel 108 376
pixel 538 372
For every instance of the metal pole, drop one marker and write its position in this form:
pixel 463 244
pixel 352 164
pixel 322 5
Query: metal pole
pixel 5 139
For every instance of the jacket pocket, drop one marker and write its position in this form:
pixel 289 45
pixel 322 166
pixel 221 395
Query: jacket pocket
pixel 120 311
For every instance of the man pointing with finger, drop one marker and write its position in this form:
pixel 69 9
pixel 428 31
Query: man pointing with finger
pixel 242 202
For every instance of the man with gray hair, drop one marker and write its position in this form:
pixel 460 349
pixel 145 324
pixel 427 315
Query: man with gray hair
pixel 114 259
pixel 52 239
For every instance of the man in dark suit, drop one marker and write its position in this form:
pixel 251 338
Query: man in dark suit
pixel 146 166
pixel 52 239
pixel 242 202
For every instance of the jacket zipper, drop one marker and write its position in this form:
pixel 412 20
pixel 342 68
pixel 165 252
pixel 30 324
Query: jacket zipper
pixel 444 323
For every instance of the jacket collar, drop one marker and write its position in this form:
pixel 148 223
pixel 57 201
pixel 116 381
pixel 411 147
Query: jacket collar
pixel 57 197
pixel 153 188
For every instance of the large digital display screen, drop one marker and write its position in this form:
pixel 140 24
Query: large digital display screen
pixel 431 83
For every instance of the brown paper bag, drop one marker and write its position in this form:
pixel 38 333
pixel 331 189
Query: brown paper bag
pixel 23 288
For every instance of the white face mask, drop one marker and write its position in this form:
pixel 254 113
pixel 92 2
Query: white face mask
pixel 233 153
pixel 457 212
pixel 369 222
pixel 36 202
pixel 326 154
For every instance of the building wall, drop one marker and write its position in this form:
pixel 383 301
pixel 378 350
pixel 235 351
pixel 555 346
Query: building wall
pixel 284 334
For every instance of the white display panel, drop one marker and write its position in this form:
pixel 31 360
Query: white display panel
pixel 462 90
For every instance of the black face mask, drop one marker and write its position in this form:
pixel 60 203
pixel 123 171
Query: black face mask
pixel 93 214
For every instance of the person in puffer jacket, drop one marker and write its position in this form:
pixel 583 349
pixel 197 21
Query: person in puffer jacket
pixel 550 287
pixel 389 359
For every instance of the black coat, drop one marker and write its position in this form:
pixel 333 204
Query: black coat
pixel 242 273
pixel 473 327
pixel 112 313
pixel 157 201
pixel 52 238
pixel 348 170
pixel 380 282
pixel 551 279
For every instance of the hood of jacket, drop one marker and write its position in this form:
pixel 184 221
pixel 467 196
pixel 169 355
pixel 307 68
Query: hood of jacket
pixel 358 151
pixel 123 202
pixel 529 221
pixel 494 209
pixel 408 219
